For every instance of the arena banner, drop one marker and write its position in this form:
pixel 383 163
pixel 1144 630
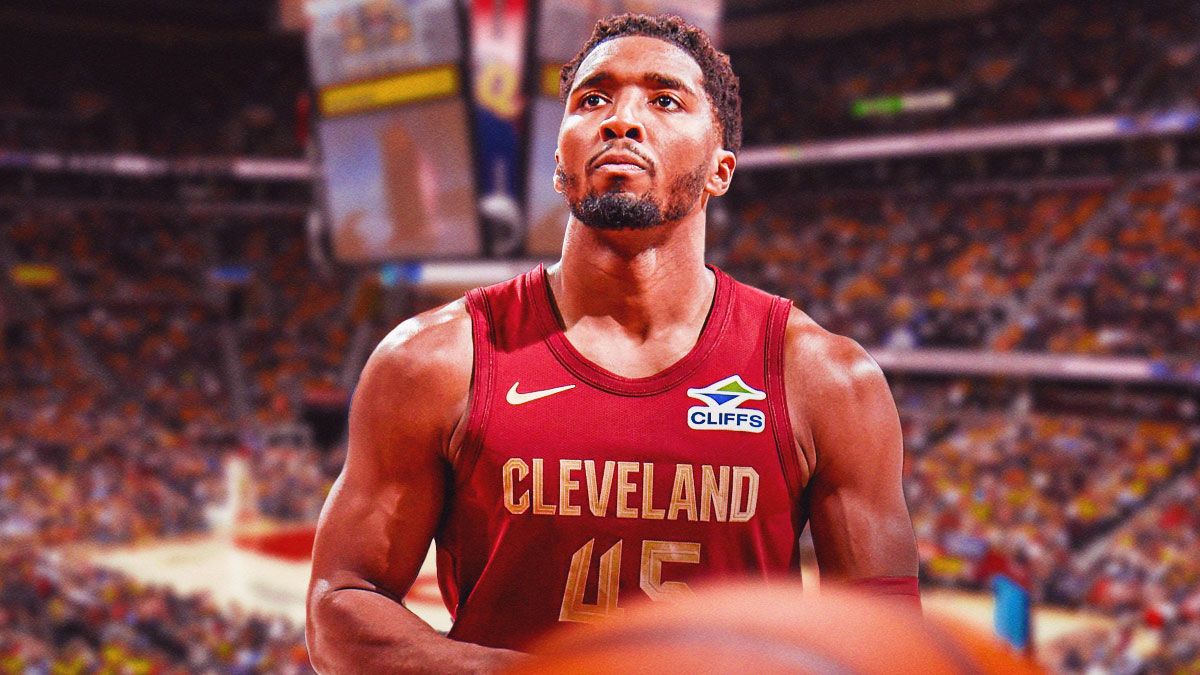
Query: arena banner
pixel 499 37
pixel 563 28
pixel 397 163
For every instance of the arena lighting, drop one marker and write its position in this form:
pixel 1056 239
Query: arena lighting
pixel 466 274
pixel 999 137
pixel 1029 134
pixel 272 169
pixel 145 166
pixel 1024 364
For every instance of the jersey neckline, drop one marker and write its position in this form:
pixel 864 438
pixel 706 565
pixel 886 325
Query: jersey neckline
pixel 600 377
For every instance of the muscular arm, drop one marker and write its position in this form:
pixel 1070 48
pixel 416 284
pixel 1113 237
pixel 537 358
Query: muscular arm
pixel 383 510
pixel 851 443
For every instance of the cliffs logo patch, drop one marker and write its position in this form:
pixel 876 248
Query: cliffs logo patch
pixel 720 411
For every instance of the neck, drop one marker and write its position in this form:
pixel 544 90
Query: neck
pixel 643 280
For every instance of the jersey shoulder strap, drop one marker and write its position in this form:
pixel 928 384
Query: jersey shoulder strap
pixel 756 310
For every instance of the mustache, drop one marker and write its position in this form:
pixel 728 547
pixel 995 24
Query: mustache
pixel 611 145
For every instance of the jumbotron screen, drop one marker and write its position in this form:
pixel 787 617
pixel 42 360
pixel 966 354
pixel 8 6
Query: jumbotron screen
pixel 397 161
pixel 564 27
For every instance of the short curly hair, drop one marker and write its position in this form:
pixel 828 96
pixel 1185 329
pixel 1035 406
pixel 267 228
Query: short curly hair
pixel 720 84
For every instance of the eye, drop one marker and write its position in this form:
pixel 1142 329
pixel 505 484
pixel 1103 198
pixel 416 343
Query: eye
pixel 665 101
pixel 591 100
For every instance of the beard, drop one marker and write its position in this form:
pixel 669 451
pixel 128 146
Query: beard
pixel 615 210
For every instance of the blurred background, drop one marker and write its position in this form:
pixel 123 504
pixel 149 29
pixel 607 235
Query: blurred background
pixel 212 210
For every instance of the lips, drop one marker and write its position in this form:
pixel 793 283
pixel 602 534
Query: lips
pixel 620 161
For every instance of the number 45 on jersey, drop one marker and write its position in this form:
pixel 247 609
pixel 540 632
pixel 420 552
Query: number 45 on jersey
pixel 654 554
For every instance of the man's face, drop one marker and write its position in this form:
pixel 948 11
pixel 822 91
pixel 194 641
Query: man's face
pixel 638 143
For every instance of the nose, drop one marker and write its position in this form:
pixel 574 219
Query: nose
pixel 622 123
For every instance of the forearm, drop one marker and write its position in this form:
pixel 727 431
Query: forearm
pixel 355 631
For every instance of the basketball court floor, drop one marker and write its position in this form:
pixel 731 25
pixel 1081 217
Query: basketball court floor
pixel 243 574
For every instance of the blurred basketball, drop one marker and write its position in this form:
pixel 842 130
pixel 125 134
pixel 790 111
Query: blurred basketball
pixel 754 628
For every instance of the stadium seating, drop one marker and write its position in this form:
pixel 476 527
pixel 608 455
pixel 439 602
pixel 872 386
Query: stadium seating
pixel 899 269
pixel 1136 292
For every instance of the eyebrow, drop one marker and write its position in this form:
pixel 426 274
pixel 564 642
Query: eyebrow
pixel 668 82
pixel 661 80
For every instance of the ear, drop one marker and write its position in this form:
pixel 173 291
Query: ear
pixel 559 176
pixel 719 179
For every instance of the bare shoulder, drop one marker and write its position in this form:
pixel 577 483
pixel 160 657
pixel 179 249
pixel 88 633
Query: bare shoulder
pixel 826 365
pixel 433 342
pixel 422 368
pixel 837 396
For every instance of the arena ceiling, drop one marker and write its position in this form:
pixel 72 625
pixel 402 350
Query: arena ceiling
pixel 255 14
pixel 237 14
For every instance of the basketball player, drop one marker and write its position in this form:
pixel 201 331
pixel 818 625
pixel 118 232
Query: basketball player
pixel 614 427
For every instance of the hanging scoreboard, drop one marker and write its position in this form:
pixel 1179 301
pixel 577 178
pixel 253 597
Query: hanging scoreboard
pixel 394 136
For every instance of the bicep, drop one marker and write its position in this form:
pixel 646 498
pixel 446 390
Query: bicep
pixel 379 519
pixel 860 523
pixel 374 531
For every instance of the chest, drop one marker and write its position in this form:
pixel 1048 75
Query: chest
pixel 553 432
pixel 556 443
pixel 633 356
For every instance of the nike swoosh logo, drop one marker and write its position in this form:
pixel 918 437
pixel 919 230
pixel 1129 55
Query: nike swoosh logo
pixel 515 397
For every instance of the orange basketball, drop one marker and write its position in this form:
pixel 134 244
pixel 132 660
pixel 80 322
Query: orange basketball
pixel 760 629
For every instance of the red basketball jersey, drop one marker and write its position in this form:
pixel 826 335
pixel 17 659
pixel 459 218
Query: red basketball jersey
pixel 578 491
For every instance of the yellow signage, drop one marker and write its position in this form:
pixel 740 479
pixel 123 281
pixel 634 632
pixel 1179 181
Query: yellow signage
pixel 34 274
pixel 550 79
pixel 410 87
